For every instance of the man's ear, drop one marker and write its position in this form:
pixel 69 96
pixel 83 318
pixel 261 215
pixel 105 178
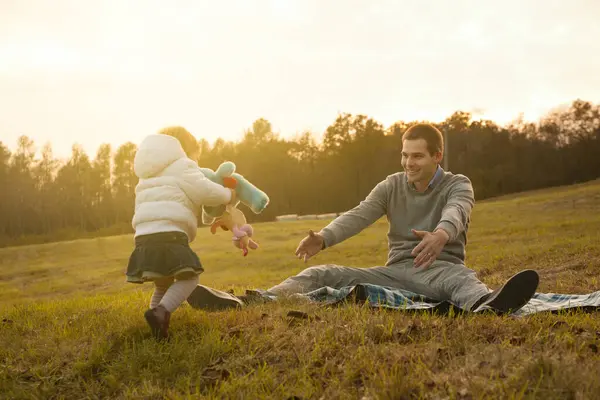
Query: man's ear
pixel 438 156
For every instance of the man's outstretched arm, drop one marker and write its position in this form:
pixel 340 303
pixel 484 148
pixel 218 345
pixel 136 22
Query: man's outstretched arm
pixel 457 211
pixel 373 207
pixel 454 220
pixel 349 224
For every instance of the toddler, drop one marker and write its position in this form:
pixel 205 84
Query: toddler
pixel 168 201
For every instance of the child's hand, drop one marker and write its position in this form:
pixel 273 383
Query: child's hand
pixel 230 183
pixel 233 196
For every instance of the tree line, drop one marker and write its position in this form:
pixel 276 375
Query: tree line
pixel 44 198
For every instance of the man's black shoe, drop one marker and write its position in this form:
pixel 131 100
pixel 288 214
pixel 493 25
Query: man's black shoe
pixel 207 298
pixel 513 295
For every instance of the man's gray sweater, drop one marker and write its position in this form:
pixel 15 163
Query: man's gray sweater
pixel 446 204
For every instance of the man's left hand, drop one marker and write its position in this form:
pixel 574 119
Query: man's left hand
pixel 430 247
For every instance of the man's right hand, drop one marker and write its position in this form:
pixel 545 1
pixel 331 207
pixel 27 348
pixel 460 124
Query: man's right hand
pixel 310 245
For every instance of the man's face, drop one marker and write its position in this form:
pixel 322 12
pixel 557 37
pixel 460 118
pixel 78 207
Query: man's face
pixel 419 165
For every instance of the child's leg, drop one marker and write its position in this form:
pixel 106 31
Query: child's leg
pixel 178 292
pixel 160 288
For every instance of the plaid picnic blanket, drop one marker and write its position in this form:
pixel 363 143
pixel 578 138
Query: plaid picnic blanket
pixel 392 298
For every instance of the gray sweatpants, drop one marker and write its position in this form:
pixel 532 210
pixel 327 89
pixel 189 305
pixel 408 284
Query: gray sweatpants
pixel 441 281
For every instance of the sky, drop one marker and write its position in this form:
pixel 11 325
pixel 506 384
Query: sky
pixel 112 71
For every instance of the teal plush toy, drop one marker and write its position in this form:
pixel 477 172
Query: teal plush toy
pixel 246 192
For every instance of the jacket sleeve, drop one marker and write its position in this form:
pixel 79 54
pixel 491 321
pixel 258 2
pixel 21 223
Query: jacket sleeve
pixel 373 207
pixel 457 211
pixel 201 190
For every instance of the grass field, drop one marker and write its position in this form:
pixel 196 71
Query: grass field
pixel 71 328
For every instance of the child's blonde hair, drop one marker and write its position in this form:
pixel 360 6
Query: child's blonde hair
pixel 187 140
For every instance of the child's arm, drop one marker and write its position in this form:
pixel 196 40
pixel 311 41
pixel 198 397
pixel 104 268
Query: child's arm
pixel 203 191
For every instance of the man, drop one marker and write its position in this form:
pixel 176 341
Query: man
pixel 428 211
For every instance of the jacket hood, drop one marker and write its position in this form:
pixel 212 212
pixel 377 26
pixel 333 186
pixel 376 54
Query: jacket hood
pixel 155 153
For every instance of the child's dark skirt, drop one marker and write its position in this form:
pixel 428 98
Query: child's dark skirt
pixel 161 255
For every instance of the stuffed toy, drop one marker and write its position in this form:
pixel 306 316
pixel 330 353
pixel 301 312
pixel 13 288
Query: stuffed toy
pixel 246 192
pixel 234 220
pixel 229 217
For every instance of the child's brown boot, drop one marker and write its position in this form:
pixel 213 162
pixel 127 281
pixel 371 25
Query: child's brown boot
pixel 158 318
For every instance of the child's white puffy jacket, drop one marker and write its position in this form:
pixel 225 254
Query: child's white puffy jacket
pixel 171 189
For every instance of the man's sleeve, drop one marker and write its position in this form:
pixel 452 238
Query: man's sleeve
pixel 457 211
pixel 369 210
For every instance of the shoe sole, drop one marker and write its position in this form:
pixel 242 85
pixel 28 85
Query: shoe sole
pixel 207 299
pixel 515 293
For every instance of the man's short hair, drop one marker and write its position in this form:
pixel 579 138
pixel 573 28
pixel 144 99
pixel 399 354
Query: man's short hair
pixel 428 132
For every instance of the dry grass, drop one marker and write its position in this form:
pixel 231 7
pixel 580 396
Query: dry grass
pixel 71 327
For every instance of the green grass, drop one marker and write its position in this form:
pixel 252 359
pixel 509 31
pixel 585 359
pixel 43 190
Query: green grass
pixel 72 328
